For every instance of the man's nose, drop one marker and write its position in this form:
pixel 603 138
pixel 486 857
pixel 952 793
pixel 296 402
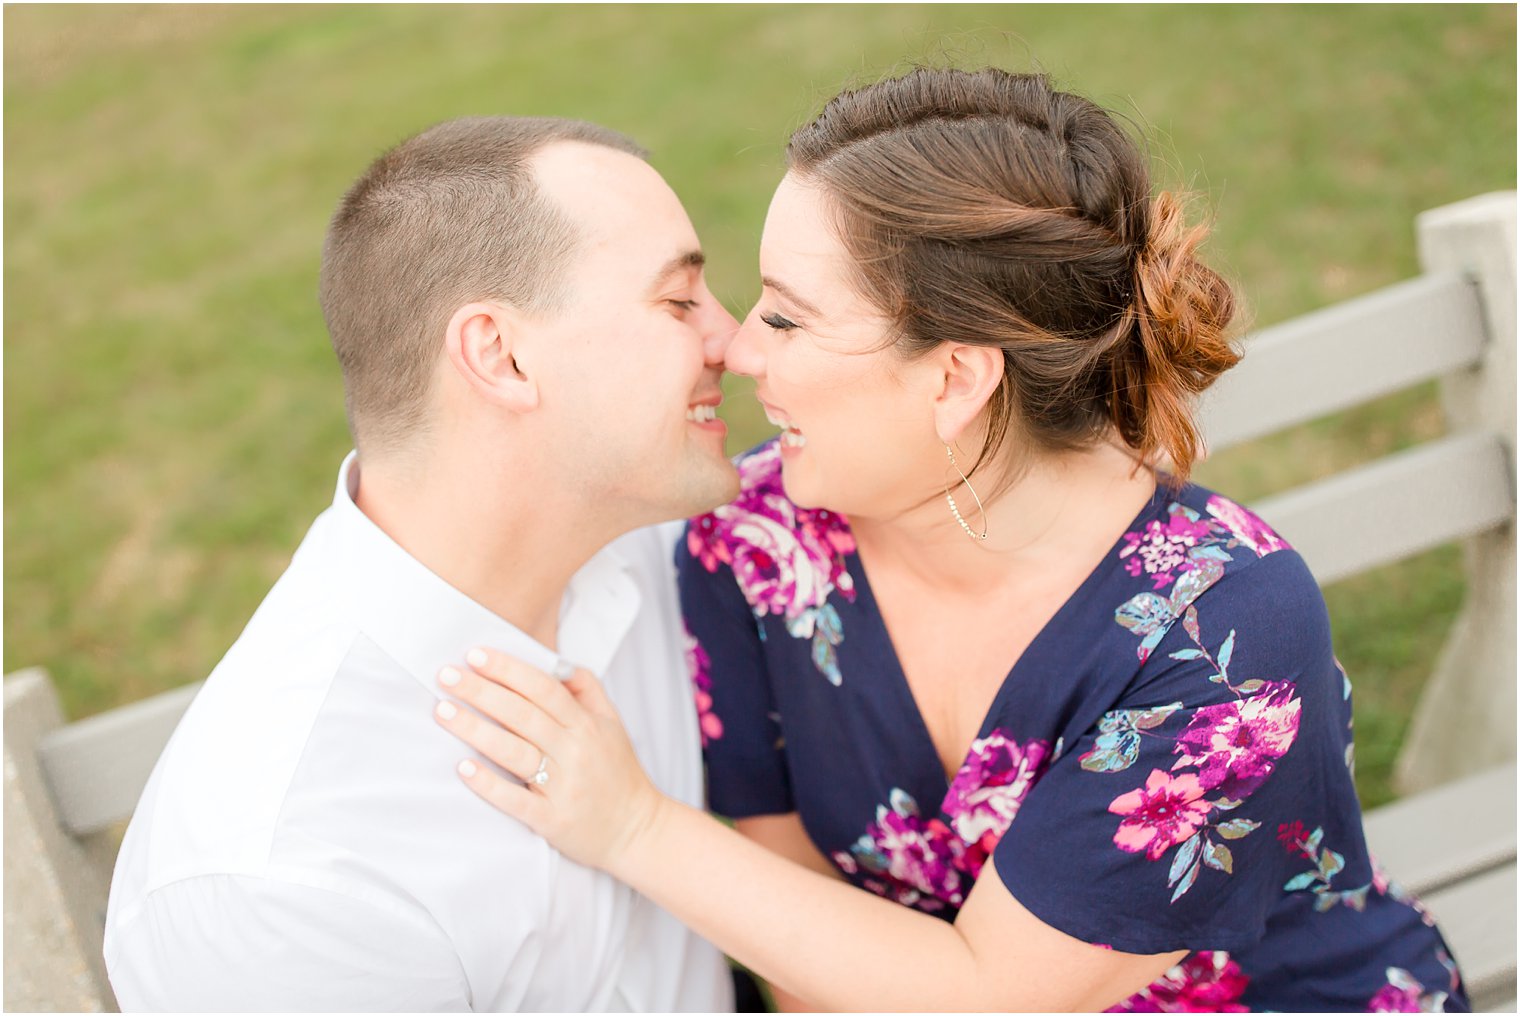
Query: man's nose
pixel 719 334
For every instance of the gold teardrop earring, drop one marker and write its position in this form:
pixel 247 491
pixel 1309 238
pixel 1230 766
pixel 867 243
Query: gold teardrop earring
pixel 955 510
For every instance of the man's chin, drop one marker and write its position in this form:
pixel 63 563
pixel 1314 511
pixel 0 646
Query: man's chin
pixel 717 489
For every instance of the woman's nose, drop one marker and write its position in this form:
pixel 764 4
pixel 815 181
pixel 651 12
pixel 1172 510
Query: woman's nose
pixel 744 353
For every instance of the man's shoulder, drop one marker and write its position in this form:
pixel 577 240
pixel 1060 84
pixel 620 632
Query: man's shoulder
pixel 319 761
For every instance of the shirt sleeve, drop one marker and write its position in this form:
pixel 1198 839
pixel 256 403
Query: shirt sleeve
pixel 741 728
pixel 219 943
pixel 1218 782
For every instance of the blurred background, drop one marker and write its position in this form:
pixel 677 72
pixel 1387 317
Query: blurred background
pixel 174 414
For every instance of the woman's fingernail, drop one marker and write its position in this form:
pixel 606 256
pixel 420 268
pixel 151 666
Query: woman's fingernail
pixel 447 710
pixel 476 658
pixel 467 768
pixel 449 677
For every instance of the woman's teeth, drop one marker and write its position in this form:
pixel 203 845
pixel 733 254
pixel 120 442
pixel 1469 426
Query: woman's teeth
pixel 702 414
pixel 791 437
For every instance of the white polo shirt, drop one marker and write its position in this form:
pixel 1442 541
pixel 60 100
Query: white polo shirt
pixel 304 842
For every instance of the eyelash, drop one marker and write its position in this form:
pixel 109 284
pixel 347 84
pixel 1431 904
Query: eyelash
pixel 777 322
pixel 683 304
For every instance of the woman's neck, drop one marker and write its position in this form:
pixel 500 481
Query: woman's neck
pixel 1062 507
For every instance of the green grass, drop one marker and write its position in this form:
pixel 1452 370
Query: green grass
pixel 173 414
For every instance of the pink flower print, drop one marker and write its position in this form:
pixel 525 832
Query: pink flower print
pixel 1236 745
pixel 698 665
pixel 826 538
pixel 986 793
pixel 1403 993
pixel 774 570
pixel 707 541
pixel 913 859
pixel 1245 526
pixel 1161 549
pixel 1166 811
pixel 1202 982
pixel 762 469
pixel 1293 836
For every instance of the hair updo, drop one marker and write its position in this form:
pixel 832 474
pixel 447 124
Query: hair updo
pixel 990 209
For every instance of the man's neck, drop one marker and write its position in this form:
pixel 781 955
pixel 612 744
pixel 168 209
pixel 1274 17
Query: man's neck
pixel 511 547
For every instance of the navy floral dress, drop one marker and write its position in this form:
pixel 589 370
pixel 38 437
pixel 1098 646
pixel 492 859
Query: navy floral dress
pixel 1166 767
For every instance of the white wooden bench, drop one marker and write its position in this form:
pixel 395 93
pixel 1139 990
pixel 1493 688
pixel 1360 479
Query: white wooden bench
pixel 68 787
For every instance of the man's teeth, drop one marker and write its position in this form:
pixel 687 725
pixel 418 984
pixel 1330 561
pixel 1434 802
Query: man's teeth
pixel 702 414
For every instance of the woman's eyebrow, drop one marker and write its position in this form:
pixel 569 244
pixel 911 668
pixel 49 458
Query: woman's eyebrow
pixel 791 295
pixel 681 262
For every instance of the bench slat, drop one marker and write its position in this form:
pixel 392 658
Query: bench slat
pixel 1470 824
pixel 1345 355
pixel 1477 917
pixel 96 768
pixel 1397 506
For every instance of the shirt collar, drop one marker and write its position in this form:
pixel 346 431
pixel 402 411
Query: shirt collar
pixel 423 623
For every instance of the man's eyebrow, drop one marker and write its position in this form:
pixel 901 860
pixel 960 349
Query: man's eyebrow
pixel 791 295
pixel 680 263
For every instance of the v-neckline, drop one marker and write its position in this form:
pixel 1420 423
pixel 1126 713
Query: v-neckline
pixel 924 738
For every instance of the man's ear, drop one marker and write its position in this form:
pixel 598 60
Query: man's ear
pixel 481 341
pixel 968 376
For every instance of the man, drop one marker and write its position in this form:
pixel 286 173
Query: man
pixel 531 360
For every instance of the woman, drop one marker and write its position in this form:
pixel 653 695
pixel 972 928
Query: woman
pixel 979 333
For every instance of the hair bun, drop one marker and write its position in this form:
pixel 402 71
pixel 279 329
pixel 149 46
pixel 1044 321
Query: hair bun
pixel 1179 346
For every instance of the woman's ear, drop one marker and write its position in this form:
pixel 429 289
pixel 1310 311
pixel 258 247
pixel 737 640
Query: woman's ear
pixel 970 374
pixel 481 342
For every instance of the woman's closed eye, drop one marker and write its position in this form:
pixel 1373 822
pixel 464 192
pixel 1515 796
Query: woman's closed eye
pixel 683 307
pixel 778 322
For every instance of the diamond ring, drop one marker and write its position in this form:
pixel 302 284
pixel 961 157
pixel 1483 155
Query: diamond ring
pixel 541 774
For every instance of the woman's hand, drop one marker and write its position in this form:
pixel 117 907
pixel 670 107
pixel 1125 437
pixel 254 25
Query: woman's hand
pixel 583 788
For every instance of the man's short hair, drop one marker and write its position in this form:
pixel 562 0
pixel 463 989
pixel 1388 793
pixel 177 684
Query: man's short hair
pixel 445 218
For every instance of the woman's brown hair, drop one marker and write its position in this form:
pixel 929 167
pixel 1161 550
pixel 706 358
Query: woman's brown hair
pixel 988 208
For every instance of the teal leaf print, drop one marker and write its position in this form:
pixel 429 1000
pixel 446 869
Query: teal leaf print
pixel 830 625
pixel 1148 616
pixel 1218 857
pixel 1186 883
pixel 1327 864
pixel 827 632
pixel 1112 752
pixel 1235 828
pixel 1226 651
pixel 1188 654
pixel 826 659
pixel 1145 719
pixel 1303 881
pixel 1190 623
pixel 1117 747
pixel 1206 571
pixel 1186 857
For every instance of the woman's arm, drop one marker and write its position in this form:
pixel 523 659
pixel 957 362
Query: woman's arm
pixel 784 836
pixel 813 936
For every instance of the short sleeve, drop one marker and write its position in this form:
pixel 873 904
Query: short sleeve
pixel 219 943
pixel 1217 782
pixel 741 728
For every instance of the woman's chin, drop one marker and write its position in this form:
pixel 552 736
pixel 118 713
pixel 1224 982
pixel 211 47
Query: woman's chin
pixel 800 490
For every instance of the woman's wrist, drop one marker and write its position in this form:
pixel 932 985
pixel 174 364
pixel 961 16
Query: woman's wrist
pixel 630 857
